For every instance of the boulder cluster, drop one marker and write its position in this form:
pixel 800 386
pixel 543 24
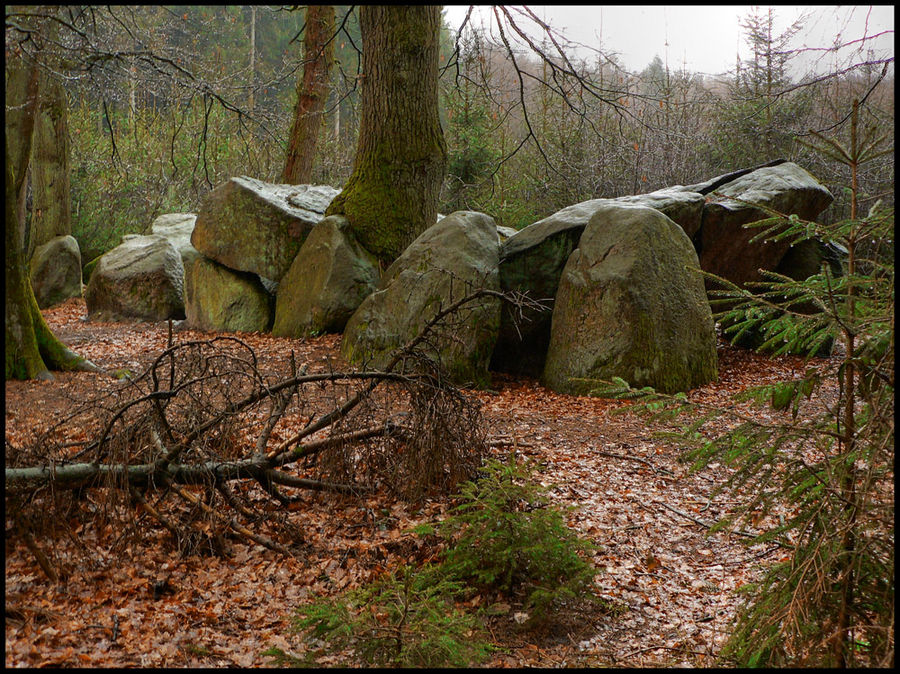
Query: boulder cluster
pixel 618 277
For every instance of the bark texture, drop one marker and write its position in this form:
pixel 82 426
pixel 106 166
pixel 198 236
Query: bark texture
pixel 312 92
pixel 392 194
pixel 51 211
pixel 21 106
pixel 23 361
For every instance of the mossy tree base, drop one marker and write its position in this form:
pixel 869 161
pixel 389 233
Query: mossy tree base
pixel 32 350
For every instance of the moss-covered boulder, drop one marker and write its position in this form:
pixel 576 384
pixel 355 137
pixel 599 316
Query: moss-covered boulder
pixel 724 243
pixel 141 279
pixel 56 271
pixel 532 261
pixel 444 264
pixel 221 299
pixel 249 225
pixel 89 267
pixel 177 228
pixel 328 280
pixel 629 306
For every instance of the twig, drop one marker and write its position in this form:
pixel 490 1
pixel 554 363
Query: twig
pixel 278 409
pixel 230 499
pixel 154 513
pixel 315 485
pixel 41 557
pixel 655 469
pixel 507 442
pixel 664 648
pixel 279 456
pixel 236 527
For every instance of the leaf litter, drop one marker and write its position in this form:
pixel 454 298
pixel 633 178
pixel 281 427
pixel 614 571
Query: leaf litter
pixel 668 584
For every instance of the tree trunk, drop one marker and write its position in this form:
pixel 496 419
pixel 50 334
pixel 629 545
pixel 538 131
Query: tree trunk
pixel 392 194
pixel 31 348
pixel 51 211
pixel 312 91
pixel 21 103
pixel 250 102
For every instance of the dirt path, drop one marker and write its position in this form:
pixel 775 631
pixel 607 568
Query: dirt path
pixel 671 583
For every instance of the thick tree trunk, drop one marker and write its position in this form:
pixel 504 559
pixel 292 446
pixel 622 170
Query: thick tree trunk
pixel 51 211
pixel 31 348
pixel 312 92
pixel 23 360
pixel 392 194
pixel 21 105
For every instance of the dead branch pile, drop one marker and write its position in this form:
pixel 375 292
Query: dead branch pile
pixel 206 445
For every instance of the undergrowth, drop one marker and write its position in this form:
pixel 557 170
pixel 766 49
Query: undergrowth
pixel 503 537
pixel 506 536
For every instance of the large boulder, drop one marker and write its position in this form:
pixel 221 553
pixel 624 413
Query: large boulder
pixel 219 298
pixel 141 279
pixel 444 264
pixel 629 306
pixel 505 232
pixel 713 184
pixel 177 228
pixel 328 280
pixel 56 271
pixel 682 205
pixel 532 260
pixel 249 225
pixel 724 244
pixel 806 258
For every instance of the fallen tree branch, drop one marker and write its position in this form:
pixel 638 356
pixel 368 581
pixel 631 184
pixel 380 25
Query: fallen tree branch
pixel 235 526
pixel 315 485
pixel 203 414
pixel 80 475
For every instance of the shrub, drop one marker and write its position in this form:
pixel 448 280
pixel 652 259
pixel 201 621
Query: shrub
pixel 405 619
pixel 505 536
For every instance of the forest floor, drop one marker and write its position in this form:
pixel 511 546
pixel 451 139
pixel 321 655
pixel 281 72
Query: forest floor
pixel 670 583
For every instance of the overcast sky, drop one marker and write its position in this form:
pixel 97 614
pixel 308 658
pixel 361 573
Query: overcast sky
pixel 702 38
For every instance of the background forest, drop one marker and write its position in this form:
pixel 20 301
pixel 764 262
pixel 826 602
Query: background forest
pixel 144 110
pixel 526 135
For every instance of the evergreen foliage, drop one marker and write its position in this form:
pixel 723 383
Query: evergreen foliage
pixel 827 469
pixel 503 536
pixel 407 618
